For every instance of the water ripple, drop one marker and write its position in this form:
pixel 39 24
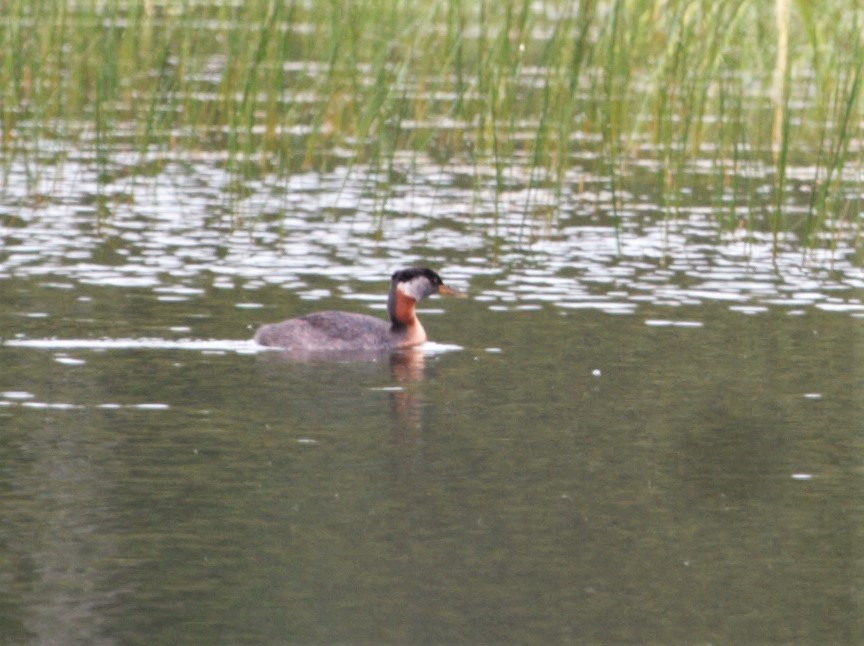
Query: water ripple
pixel 313 231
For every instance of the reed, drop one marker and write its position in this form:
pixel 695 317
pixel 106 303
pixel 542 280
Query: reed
pixel 277 87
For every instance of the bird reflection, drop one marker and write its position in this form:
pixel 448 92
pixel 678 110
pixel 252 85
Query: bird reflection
pixel 408 367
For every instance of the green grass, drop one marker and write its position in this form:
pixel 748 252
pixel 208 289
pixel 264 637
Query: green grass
pixel 279 86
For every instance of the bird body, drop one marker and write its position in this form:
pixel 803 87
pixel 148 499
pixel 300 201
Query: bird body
pixel 348 331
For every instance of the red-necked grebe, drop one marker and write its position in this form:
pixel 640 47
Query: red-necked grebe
pixel 345 331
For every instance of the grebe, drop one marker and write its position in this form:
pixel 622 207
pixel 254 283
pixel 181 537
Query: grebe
pixel 345 331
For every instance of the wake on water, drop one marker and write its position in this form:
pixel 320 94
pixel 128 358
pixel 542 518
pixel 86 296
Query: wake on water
pixel 195 345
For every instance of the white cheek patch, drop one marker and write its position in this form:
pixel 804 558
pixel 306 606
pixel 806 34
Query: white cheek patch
pixel 416 288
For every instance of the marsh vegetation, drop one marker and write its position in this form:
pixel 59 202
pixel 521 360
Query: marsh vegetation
pixel 747 94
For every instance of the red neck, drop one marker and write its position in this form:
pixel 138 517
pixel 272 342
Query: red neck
pixel 401 309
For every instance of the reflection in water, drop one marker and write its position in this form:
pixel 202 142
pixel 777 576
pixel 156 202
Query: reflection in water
pixel 408 365
pixel 408 368
pixel 403 442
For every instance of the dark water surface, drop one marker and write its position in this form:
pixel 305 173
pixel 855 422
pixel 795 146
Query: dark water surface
pixel 670 475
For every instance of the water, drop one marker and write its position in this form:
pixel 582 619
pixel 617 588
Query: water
pixel 565 476
pixel 642 426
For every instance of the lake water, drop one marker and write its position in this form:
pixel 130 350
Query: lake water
pixel 642 431
pixel 642 426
